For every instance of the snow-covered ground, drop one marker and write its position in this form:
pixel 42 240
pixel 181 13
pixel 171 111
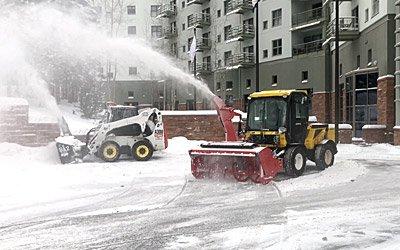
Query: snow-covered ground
pixel 158 203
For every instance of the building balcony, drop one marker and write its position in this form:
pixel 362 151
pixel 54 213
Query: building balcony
pixel 203 44
pixel 190 2
pixel 202 68
pixel 239 6
pixel 169 33
pixel 307 18
pixel 348 29
pixel 241 33
pixel 199 20
pixel 241 60
pixel 306 48
pixel 166 11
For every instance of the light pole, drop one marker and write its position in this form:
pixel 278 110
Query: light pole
pixel 257 49
pixel 195 74
pixel 337 87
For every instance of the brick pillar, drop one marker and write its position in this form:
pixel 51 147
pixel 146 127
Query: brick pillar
pixel 321 106
pixel 385 105
pixel 396 135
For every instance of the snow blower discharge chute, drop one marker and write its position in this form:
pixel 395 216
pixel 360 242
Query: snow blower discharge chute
pixel 277 138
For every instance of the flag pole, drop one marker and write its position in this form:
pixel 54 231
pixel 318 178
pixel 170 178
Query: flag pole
pixel 257 49
pixel 337 87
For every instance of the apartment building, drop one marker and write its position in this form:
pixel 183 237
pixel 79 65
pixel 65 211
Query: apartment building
pixel 131 83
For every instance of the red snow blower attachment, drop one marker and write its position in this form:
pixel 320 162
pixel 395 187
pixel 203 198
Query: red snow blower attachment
pixel 242 160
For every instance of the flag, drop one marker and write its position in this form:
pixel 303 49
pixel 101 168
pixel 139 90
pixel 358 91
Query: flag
pixel 192 51
pixel 254 2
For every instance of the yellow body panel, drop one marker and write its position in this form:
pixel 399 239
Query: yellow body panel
pixel 277 93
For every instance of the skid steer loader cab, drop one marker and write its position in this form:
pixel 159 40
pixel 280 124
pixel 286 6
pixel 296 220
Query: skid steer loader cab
pixel 277 118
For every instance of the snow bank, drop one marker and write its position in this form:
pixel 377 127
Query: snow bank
pixel 341 172
pixel 6 103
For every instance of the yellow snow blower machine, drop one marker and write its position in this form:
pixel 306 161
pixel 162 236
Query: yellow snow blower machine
pixel 277 138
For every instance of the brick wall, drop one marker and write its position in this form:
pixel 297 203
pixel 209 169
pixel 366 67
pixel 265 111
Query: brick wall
pixel 194 127
pixel 15 126
pixel 321 106
pixel 386 101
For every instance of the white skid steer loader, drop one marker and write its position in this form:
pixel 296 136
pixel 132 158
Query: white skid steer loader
pixel 124 130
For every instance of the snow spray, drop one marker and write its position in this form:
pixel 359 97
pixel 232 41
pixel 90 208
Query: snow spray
pixel 46 29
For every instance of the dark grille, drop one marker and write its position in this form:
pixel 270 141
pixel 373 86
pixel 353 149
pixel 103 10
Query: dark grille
pixel 263 139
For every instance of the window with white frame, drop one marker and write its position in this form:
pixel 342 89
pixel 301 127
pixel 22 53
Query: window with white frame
pixel 156 31
pixel 366 19
pixel 154 10
pixel 133 71
pixel 131 30
pixel 277 47
pixel 131 10
pixel 277 18
pixel 375 7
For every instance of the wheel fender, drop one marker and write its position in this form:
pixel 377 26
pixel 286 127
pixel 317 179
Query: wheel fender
pixel 330 143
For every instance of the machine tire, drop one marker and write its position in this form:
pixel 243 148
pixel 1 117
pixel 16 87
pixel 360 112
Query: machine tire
pixel 295 161
pixel 324 156
pixel 109 151
pixel 142 151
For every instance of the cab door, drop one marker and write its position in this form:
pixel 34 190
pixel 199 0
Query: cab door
pixel 299 117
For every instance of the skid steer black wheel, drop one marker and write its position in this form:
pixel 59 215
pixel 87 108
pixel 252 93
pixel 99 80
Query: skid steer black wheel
pixel 295 161
pixel 142 151
pixel 109 151
pixel 324 156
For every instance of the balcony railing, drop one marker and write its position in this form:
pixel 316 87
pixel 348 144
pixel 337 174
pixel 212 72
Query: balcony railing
pixel 241 33
pixel 348 28
pixel 239 6
pixel 166 11
pixel 189 2
pixel 202 68
pixel 199 20
pixel 305 48
pixel 240 60
pixel 203 44
pixel 307 17
pixel 169 33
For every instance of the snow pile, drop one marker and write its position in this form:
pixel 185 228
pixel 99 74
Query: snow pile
pixel 6 103
pixel 341 172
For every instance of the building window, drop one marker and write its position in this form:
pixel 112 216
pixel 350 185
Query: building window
pixel 265 53
pixel 131 30
pixel 226 5
pixel 340 69
pixel 219 38
pixel 277 47
pixel 183 48
pixel 229 85
pixel 227 58
pixel 375 7
pixel 133 71
pixel 183 4
pixel 156 31
pixel 227 32
pixel 304 76
pixel 369 56
pixel 265 25
pixel 218 13
pixel 274 81
pixel 130 94
pixel 366 15
pixel 154 10
pixel 277 18
pixel 248 83
pixel 358 62
pixel 218 86
pixel 183 26
pixel 131 10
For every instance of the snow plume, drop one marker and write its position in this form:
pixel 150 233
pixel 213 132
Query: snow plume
pixel 37 39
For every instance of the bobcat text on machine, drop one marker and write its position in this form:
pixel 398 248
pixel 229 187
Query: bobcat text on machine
pixel 124 130
pixel 277 138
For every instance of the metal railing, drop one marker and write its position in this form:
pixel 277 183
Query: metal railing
pixel 239 5
pixel 346 24
pixel 201 68
pixel 203 44
pixel 166 10
pixel 169 32
pixel 305 48
pixel 245 31
pixel 199 20
pixel 307 16
pixel 240 59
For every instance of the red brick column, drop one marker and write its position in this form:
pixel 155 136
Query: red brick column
pixel 321 106
pixel 345 133
pixel 375 134
pixel 385 105
pixel 396 135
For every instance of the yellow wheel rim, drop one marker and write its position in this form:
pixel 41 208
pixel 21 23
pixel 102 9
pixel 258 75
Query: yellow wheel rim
pixel 142 151
pixel 110 152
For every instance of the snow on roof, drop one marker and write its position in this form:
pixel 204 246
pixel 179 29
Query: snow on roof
pixel 7 102
pixel 374 127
